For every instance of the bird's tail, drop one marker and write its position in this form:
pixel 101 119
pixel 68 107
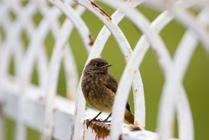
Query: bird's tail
pixel 129 117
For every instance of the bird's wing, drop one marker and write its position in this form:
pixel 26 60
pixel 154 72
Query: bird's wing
pixel 112 84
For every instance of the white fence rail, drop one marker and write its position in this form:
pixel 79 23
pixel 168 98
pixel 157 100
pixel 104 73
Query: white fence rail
pixel 39 107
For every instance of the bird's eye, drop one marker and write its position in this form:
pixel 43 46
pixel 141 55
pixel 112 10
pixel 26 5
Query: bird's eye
pixel 98 65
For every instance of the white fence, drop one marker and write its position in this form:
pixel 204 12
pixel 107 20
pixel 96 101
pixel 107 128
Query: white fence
pixel 39 107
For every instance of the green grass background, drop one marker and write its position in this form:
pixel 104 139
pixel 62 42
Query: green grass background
pixel 195 81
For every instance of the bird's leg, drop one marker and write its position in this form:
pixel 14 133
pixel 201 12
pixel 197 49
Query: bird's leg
pixel 94 119
pixel 106 120
pixel 96 116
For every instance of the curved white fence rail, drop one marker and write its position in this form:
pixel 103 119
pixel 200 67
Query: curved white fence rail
pixel 39 107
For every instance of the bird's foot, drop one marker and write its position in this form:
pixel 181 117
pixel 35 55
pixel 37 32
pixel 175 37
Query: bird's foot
pixel 97 120
pixel 88 122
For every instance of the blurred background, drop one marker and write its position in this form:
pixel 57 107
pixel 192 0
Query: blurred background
pixel 195 81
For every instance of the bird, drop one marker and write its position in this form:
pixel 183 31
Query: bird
pixel 99 88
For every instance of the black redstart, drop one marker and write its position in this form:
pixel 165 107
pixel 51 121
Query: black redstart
pixel 99 88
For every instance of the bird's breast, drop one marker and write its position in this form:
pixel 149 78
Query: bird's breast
pixel 97 94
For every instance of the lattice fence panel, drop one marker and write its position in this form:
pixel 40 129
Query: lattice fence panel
pixel 27 29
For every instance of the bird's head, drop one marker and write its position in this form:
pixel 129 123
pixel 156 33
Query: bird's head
pixel 97 65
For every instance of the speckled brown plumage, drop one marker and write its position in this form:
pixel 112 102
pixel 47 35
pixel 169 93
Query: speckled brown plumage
pixel 99 87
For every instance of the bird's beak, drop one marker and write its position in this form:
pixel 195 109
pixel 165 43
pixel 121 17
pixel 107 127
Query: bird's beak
pixel 106 66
